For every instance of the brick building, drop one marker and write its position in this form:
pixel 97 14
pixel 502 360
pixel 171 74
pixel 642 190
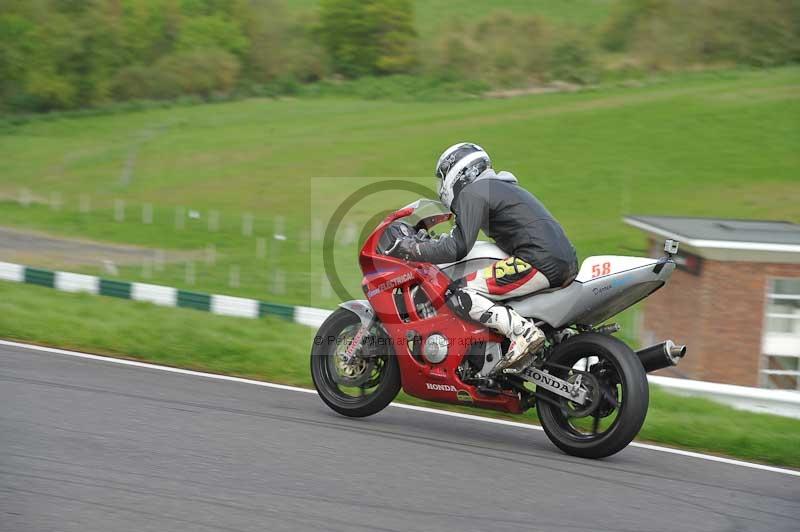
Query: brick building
pixel 734 299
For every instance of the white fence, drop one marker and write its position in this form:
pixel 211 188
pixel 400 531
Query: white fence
pixel 761 400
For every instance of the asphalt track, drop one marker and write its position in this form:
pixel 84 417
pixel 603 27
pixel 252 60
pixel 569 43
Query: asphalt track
pixel 88 445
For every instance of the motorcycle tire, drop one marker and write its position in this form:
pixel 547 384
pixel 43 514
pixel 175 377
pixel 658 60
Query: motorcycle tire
pixel 630 412
pixel 381 394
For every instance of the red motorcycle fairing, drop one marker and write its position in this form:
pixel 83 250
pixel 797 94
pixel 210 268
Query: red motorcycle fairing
pixel 389 281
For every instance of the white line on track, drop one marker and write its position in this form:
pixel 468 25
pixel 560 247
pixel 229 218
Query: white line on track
pixel 471 417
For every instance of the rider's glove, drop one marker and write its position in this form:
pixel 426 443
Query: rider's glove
pixel 404 248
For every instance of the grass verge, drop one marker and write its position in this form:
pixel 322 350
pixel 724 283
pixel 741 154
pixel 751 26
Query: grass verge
pixel 276 350
pixel 707 144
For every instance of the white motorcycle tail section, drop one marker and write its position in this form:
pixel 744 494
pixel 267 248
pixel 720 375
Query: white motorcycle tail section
pixel 605 265
pixel 605 286
pixel 593 300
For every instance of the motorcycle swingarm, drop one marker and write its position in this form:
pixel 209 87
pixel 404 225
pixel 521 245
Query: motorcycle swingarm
pixel 575 392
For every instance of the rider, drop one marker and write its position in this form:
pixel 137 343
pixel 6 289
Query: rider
pixel 541 256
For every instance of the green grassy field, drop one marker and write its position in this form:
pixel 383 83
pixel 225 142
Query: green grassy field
pixel 278 351
pixel 713 144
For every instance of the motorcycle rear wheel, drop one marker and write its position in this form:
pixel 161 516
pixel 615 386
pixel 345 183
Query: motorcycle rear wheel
pixel 623 393
pixel 368 384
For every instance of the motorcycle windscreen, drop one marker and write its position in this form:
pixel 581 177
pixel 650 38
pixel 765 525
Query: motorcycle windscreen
pixel 425 209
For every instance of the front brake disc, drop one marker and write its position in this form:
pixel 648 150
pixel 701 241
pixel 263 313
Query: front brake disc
pixel 353 372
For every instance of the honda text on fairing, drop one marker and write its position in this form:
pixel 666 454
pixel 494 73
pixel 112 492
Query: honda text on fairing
pixel 589 388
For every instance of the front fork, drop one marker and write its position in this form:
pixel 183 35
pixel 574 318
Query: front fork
pixel 365 313
pixel 350 352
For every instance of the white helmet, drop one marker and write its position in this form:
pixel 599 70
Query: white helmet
pixel 457 167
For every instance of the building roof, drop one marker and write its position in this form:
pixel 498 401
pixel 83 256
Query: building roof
pixel 741 237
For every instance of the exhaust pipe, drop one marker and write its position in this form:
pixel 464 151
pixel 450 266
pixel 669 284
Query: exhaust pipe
pixel 661 355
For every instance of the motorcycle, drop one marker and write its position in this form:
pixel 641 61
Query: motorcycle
pixel 589 388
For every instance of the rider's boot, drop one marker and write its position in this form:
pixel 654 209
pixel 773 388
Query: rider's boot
pixel 526 338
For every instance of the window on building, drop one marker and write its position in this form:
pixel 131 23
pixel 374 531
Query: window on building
pixel 781 342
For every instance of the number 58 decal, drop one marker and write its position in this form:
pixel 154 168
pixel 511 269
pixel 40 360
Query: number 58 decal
pixel 601 269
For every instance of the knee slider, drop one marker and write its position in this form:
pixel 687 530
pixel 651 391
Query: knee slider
pixel 460 302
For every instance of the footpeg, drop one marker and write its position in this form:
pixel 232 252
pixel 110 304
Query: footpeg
pixel 521 366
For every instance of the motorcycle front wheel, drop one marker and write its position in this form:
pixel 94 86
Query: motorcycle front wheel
pixel 616 404
pixel 359 386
